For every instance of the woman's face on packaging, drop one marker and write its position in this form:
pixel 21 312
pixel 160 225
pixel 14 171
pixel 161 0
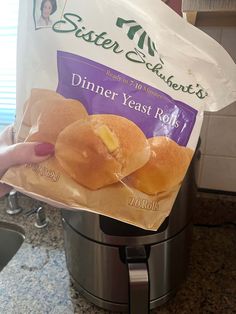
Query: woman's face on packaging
pixel 47 9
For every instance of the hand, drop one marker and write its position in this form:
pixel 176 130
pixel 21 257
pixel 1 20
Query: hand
pixel 18 154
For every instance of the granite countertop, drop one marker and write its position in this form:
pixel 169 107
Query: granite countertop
pixel 36 279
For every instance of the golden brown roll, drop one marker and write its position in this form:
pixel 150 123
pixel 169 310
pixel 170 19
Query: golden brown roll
pixel 51 115
pixel 190 152
pixel 37 94
pixel 101 150
pixel 165 169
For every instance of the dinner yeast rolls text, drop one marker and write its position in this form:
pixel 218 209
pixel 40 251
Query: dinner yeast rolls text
pixel 51 115
pixel 101 150
pixel 165 169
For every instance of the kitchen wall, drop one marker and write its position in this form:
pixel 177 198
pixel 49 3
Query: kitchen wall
pixel 216 169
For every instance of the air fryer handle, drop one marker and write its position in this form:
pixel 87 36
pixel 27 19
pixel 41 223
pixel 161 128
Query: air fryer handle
pixel 138 280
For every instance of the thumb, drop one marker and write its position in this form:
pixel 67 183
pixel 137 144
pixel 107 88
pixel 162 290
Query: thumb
pixel 4 189
pixel 22 153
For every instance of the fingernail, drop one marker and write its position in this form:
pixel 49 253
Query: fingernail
pixel 44 149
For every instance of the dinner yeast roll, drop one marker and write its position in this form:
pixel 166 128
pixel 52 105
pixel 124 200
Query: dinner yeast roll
pixel 165 169
pixel 51 115
pixel 37 94
pixel 101 150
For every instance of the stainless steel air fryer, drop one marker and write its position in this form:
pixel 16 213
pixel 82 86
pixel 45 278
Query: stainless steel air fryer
pixel 120 267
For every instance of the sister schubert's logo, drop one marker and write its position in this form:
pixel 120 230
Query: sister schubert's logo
pixel 142 36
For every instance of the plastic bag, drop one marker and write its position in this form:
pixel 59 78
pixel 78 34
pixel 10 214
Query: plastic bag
pixel 120 88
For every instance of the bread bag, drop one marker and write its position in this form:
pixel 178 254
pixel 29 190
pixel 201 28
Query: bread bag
pixel 120 88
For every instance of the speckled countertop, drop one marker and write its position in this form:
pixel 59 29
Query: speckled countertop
pixel 36 279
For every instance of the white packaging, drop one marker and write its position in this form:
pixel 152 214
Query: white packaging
pixel 137 61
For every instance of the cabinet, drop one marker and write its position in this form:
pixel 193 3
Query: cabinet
pixel 210 12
